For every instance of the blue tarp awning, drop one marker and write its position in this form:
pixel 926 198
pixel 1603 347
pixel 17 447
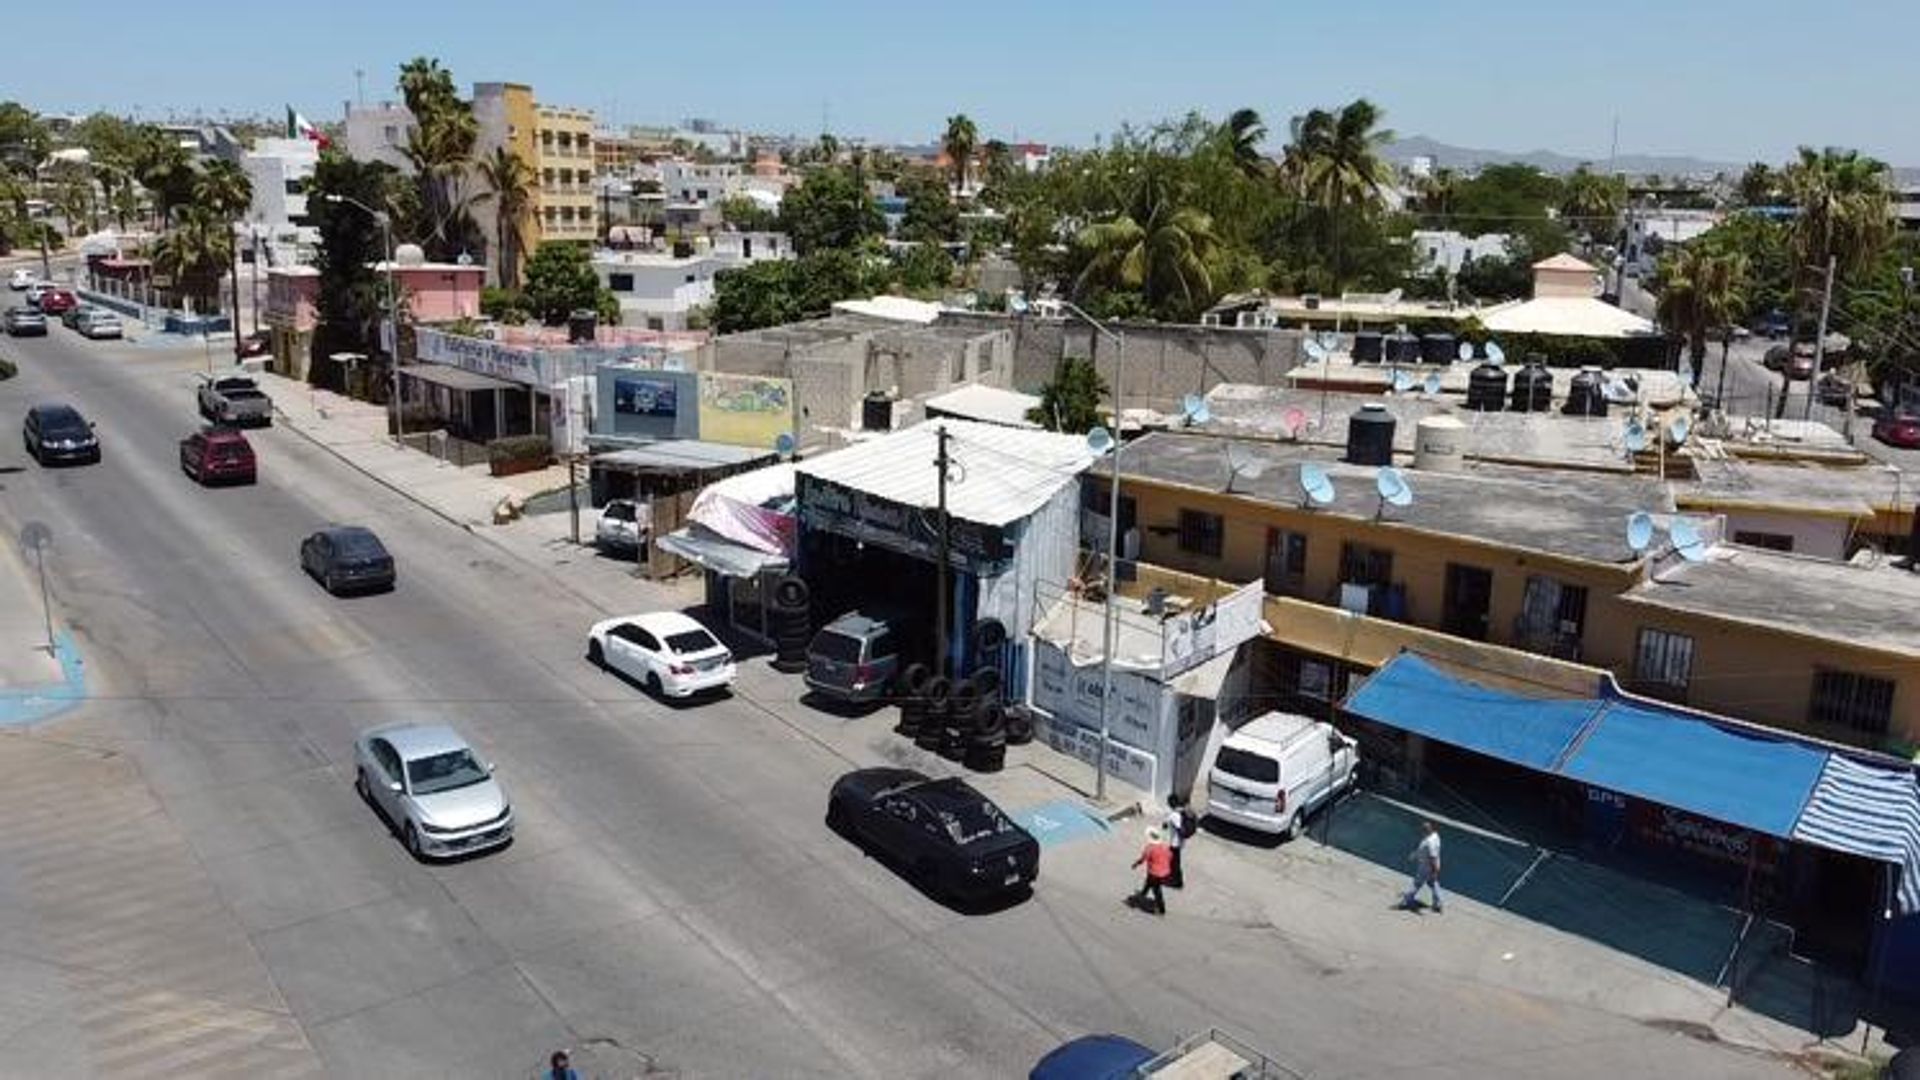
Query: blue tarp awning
pixel 1774 783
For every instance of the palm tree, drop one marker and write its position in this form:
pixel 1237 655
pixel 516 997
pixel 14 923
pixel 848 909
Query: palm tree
pixel 510 181
pixel 1592 202
pixel 1158 246
pixel 194 252
pixel 226 191
pixel 1846 218
pixel 1702 292
pixel 959 142
pixel 166 169
pixel 1334 162
pixel 1241 135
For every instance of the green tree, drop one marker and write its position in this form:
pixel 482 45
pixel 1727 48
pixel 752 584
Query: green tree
pixel 1240 137
pixel 440 149
pixel 923 269
pixel 755 295
pixel 225 191
pixel 959 141
pixel 560 281
pixel 1070 401
pixel 999 162
pixel 1334 162
pixel 830 210
pixel 747 215
pixel 1159 246
pixel 931 215
pixel 1590 203
pixel 193 253
pixel 166 170
pixel 351 297
pixel 1699 294
pixel 24 141
pixel 1760 186
pixel 509 182
pixel 1846 217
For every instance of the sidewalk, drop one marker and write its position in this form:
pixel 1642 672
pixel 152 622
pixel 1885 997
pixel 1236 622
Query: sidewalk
pixel 35 684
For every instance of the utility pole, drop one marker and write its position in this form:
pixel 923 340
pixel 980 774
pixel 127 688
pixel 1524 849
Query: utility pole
pixel 940 463
pixel 573 494
pixel 1820 342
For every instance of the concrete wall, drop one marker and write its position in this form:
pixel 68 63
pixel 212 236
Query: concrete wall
pixel 1821 537
pixel 829 379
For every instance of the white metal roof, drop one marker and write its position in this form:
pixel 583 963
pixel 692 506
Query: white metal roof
pixel 987 403
pixel 999 474
pixel 895 308
pixel 1573 316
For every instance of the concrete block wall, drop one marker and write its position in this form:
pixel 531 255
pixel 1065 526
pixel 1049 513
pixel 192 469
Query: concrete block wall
pixel 745 354
pixel 829 379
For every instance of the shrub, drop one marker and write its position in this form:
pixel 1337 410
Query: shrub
pixel 520 448
pixel 7 370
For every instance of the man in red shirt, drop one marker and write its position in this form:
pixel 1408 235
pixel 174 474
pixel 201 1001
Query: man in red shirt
pixel 1157 856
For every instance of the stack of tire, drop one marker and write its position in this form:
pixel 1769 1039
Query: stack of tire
pixel 1019 725
pixel 913 700
pixel 986 749
pixel 963 711
pixel 936 698
pixel 790 624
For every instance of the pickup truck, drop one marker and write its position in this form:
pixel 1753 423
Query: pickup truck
pixel 234 399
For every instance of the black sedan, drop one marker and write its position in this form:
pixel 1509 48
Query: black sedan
pixel 951 838
pixel 347 558
pixel 55 433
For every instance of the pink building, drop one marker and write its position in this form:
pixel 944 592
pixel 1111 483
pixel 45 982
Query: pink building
pixel 431 292
pixel 293 297
pixel 437 292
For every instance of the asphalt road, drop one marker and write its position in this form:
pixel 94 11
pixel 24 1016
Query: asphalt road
pixel 189 886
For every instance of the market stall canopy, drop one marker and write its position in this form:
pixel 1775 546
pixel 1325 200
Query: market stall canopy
pixel 705 548
pixel 753 509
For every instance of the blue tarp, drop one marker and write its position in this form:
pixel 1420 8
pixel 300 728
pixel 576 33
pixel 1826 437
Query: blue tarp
pixel 1414 695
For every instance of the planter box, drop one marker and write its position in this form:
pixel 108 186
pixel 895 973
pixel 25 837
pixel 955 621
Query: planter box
pixel 511 466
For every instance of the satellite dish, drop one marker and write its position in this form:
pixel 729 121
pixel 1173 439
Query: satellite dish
pixel 1432 384
pixel 1293 419
pixel 1392 486
pixel 1099 440
pixel 1241 463
pixel 1465 352
pixel 1686 540
pixel 1678 429
pixel 1316 351
pixel 1394 296
pixel 1635 437
pixel 1495 353
pixel 1639 531
pixel 783 444
pixel 1315 483
pixel 1190 404
pixel 1402 382
pixel 1201 415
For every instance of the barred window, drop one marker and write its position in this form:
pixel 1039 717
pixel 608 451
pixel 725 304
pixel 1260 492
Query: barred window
pixel 1859 702
pixel 1664 660
pixel 1202 534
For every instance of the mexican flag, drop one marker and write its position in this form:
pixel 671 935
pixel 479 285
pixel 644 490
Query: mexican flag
pixel 299 127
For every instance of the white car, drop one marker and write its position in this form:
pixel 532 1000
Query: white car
pixel 669 653
pixel 20 279
pixel 624 527
pixel 1274 770
pixel 428 784
pixel 99 324
pixel 36 289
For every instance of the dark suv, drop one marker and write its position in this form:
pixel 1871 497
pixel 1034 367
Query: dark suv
pixel 853 659
pixel 55 433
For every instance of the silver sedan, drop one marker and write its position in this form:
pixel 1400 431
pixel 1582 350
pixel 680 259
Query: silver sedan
pixel 431 787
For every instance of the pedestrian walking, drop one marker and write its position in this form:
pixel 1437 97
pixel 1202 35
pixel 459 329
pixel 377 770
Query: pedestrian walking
pixel 1179 824
pixel 561 1067
pixel 1426 868
pixel 1157 856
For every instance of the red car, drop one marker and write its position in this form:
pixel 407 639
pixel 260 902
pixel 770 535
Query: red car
pixel 55 301
pixel 213 455
pixel 1898 429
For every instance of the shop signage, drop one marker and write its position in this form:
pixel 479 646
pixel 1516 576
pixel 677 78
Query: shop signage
pixel 640 396
pixel 981 549
pixel 1074 693
pixel 1677 830
pixel 510 362
pixel 1124 763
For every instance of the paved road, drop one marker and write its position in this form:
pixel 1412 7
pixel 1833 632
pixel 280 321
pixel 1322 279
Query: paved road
pixel 189 886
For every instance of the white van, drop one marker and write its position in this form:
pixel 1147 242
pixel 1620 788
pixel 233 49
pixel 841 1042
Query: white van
pixel 1276 769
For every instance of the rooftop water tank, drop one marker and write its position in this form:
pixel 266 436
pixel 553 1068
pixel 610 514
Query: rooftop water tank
pixel 1366 347
pixel 1437 349
pixel 1370 436
pixel 876 412
pixel 1402 349
pixel 1532 387
pixel 1487 388
pixel 1439 444
pixel 1585 395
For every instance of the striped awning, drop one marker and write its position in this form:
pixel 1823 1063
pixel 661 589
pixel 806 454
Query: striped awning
pixel 1868 810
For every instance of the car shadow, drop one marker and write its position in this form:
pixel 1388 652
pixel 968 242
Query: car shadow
pixel 971 906
pixel 1240 834
pixel 845 710
pixel 704 697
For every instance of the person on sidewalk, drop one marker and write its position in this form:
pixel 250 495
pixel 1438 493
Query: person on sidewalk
pixel 1426 868
pixel 1158 859
pixel 560 1067
pixel 1179 825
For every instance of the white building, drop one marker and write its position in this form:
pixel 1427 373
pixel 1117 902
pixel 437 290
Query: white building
pixel 280 171
pixel 657 289
pixel 1448 251
pixel 380 133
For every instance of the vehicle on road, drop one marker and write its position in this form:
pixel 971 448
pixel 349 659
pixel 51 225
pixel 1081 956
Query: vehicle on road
pixel 55 301
pixel 35 291
pixel 949 837
pixel 1094 1057
pixel 1775 324
pixel 1835 389
pixel 218 455
pixel 258 343
pixel 432 789
pixel 347 558
pixel 1799 363
pixel 1901 429
pixel 56 433
pixel 671 654
pixel 1211 1053
pixel 1775 357
pixel 72 315
pixel 1276 769
pixel 234 399
pixel 624 527
pixel 98 323
pixel 853 659
pixel 25 322
pixel 19 279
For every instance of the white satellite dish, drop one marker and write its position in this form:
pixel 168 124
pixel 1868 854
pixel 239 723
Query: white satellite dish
pixel 1678 429
pixel 1465 351
pixel 1099 440
pixel 1316 352
pixel 1402 382
pixel 1392 486
pixel 1432 384
pixel 1315 484
pixel 1243 464
pixel 1635 437
pixel 1495 353
pixel 1639 531
pixel 1686 540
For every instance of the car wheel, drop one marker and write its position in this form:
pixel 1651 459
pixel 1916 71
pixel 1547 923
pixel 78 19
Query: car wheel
pixel 837 817
pixel 927 875
pixel 596 655
pixel 412 839
pixel 330 583
pixel 1295 826
pixel 361 786
pixel 653 685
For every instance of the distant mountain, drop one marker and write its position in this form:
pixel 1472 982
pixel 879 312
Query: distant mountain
pixel 1466 159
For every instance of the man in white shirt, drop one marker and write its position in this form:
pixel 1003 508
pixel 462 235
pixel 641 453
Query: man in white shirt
pixel 1176 824
pixel 1426 868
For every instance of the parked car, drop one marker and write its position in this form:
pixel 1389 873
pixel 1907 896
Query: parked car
pixel 1276 769
pixel 71 316
pixel 213 455
pixel 258 343
pixel 1775 357
pixel 20 279
pixel 347 557
pixel 1901 429
pixel 624 527
pixel 25 322
pixel 234 399
pixel 55 433
pixel 35 291
pixel 853 659
pixel 1775 324
pixel 1835 389
pixel 432 789
pixel 56 300
pixel 1093 1057
pixel 1800 362
pixel 97 323
pixel 670 653
pixel 953 839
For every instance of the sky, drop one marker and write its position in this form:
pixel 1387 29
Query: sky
pixel 1732 80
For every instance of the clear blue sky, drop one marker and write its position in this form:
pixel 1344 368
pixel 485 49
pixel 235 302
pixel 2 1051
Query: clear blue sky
pixel 1713 78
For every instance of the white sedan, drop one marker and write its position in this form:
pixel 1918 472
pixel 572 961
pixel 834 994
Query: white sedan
pixel 669 653
pixel 21 279
pixel 428 784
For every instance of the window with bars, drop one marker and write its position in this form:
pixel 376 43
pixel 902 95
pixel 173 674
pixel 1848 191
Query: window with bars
pixel 1286 569
pixel 1663 661
pixel 1363 565
pixel 1859 702
pixel 1202 533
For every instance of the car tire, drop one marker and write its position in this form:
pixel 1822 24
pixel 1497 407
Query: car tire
pixel 328 582
pixel 837 818
pixel 596 655
pixel 791 593
pixel 411 839
pixel 653 685
pixel 361 786
pixel 1296 826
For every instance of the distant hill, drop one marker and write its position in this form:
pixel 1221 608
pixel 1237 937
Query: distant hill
pixel 1467 159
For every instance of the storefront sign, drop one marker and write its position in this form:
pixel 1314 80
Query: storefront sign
pixel 981 549
pixel 510 362
pixel 1200 635
pixel 1664 827
pixel 640 396
pixel 1073 693
pixel 1124 763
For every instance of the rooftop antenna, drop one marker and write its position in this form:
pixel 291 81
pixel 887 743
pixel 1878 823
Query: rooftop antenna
pixel 1639 531
pixel 360 86
pixel 1393 489
pixel 1241 461
pixel 1318 353
pixel 1316 487
pixel 1194 410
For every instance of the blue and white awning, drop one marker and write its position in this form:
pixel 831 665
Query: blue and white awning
pixel 1869 810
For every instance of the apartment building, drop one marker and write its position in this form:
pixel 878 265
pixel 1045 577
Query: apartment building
pixel 557 146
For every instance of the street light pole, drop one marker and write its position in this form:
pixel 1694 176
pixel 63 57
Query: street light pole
pixel 1819 343
pixel 393 311
pixel 1113 550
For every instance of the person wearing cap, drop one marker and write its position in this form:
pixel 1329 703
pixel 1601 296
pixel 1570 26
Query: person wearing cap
pixel 560 1067
pixel 1157 856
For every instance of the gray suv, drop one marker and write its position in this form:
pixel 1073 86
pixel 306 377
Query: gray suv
pixel 853 659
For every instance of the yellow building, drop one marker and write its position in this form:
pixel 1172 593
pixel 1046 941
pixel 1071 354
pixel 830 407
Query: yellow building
pixel 563 160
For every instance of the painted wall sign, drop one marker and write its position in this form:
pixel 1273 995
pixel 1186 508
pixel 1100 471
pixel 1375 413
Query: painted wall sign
pixel 981 549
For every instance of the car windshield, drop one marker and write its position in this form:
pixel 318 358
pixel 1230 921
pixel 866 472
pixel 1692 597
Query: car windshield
pixel 619 512
pixel 967 816
pixel 358 545
pixel 833 645
pixel 1247 766
pixel 64 424
pixel 444 772
pixel 691 641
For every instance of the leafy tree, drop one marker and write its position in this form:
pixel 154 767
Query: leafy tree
pixel 755 295
pixel 1846 216
pixel 923 269
pixel 999 162
pixel 509 181
pixel 1506 276
pixel 830 210
pixel 1070 401
pixel 1590 203
pixel 1765 247
pixel 1240 139
pixel 351 297
pixel 225 191
pixel 1699 293
pixel 560 280
pixel 440 149
pixel 1334 162
pixel 193 253
pixel 24 141
pixel 748 215
pixel 931 214
pixel 1158 246
pixel 1503 198
pixel 1760 186
pixel 504 305
pixel 166 170
pixel 959 141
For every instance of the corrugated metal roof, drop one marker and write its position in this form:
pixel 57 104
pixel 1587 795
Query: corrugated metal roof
pixel 992 405
pixel 681 454
pixel 999 474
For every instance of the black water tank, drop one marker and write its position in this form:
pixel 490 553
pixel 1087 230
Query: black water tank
pixel 1487 388
pixel 1366 347
pixel 1533 387
pixel 876 412
pixel 1403 349
pixel 581 324
pixel 1437 349
pixel 1585 395
pixel 1370 436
